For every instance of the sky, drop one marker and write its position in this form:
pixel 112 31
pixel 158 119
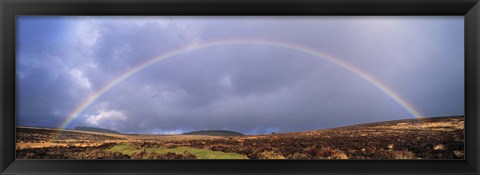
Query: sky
pixel 62 62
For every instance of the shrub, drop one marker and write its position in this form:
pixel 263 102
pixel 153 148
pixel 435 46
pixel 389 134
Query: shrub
pixel 170 155
pixel 299 156
pixel 394 154
pixel 270 155
pixel 330 153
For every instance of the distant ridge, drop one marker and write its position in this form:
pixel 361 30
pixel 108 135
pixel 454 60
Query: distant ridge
pixel 214 133
pixel 84 128
pixel 393 122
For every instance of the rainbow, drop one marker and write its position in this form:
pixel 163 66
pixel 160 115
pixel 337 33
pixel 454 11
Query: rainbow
pixel 133 70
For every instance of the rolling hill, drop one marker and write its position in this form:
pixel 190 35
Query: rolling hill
pixel 84 128
pixel 427 138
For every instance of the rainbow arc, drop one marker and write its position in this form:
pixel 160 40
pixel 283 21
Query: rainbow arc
pixel 219 43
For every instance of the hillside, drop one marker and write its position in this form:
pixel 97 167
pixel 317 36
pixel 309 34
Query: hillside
pixel 84 128
pixel 438 138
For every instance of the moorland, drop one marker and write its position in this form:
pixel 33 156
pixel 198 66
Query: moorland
pixel 428 138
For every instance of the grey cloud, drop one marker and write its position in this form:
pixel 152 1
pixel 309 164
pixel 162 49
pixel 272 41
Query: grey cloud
pixel 248 88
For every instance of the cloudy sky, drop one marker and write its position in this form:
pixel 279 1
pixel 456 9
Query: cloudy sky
pixel 249 88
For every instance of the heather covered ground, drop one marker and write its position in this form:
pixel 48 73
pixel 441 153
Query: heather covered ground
pixel 430 138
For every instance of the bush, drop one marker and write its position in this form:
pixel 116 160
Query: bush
pixel 170 155
pixel 330 153
pixel 402 154
pixel 270 155
pixel 299 156
pixel 394 154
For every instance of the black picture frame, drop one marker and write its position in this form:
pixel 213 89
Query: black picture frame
pixel 9 9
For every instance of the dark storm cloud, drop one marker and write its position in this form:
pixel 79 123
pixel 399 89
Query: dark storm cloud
pixel 247 88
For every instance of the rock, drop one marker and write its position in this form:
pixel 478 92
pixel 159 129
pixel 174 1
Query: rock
pixel 439 147
pixel 458 153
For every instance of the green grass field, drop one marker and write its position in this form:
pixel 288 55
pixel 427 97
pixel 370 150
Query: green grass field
pixel 130 149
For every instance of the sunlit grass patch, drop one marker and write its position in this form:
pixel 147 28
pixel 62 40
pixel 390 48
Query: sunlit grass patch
pixel 127 149
pixel 131 149
pixel 200 153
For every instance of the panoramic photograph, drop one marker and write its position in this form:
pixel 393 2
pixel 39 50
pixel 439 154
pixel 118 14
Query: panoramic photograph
pixel 240 87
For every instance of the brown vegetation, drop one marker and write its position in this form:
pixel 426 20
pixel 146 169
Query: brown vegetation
pixel 433 138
